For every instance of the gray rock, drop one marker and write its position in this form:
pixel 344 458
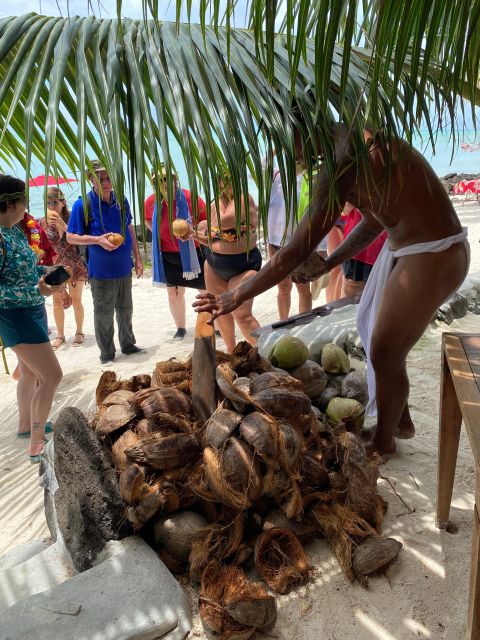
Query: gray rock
pixel 49 482
pixel 128 595
pixel 458 305
pixel 90 510
pixel 445 314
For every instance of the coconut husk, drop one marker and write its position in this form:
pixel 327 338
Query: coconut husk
pixel 313 472
pixel 120 396
pixel 151 502
pixel 276 378
pixel 232 605
pixel 362 489
pixel 165 452
pixel 174 566
pixel 233 474
pixel 293 505
pixel 177 423
pixel 125 441
pixel 353 445
pixel 170 366
pixel 220 541
pixel 165 400
pixel 304 530
pixel 147 426
pixel 114 417
pixel 374 556
pixel 220 427
pixel 343 529
pixel 225 376
pixel 137 382
pixel 281 560
pixel 106 385
pixel 283 403
pixel 132 484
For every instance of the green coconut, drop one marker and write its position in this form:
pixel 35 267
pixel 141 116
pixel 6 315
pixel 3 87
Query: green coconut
pixel 288 353
pixel 334 359
pixel 347 411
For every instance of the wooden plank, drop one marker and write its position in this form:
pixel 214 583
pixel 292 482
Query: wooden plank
pixel 450 422
pixel 471 345
pixel 204 400
pixel 473 616
pixel 467 391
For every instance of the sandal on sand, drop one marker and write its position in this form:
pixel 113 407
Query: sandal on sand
pixel 37 457
pixel 79 339
pixel 58 342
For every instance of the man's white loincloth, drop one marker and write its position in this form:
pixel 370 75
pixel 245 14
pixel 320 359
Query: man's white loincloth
pixel 372 295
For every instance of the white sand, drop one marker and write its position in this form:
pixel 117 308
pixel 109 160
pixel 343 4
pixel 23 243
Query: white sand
pixel 425 592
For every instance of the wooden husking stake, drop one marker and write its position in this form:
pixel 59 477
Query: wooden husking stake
pixel 204 363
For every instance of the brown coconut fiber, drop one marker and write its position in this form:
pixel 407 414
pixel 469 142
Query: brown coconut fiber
pixel 281 560
pixel 218 541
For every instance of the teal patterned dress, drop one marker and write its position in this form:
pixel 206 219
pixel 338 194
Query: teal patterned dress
pixel 22 307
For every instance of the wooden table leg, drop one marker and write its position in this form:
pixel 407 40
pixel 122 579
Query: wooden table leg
pixel 473 618
pixel 448 439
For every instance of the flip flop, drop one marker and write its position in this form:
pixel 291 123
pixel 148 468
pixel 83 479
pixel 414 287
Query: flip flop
pixel 38 457
pixel 26 434
pixel 79 339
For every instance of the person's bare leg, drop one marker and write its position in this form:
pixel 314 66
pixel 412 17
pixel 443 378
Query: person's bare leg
pixel 405 429
pixel 59 315
pixel 75 292
pixel 243 315
pixel 417 286
pixel 176 302
pixel 333 290
pixel 284 290
pixel 304 297
pixel 225 324
pixel 351 287
pixel 43 364
pixel 25 390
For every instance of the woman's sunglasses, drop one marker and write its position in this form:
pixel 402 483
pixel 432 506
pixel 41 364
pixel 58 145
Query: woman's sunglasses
pixel 53 203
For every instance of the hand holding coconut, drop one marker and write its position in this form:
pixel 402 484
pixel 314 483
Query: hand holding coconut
pixel 106 243
pixel 313 267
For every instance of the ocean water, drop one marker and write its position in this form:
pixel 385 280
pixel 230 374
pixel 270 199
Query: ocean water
pixel 442 162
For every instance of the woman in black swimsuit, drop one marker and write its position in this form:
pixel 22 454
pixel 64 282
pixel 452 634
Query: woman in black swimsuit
pixel 233 258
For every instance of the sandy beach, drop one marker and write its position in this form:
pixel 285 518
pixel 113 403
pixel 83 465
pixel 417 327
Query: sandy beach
pixel 424 595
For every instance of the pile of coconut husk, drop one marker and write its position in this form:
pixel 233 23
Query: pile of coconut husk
pixel 279 462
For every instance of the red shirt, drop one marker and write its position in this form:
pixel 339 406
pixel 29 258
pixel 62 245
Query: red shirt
pixel 167 241
pixel 370 254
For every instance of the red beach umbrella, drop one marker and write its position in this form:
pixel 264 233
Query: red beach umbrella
pixel 51 181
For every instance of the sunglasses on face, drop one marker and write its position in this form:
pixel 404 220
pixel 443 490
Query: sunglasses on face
pixel 53 203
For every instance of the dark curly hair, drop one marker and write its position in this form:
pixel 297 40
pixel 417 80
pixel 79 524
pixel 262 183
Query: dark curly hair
pixel 10 186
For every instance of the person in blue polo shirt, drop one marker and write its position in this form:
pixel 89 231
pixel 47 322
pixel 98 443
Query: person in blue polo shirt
pixel 109 266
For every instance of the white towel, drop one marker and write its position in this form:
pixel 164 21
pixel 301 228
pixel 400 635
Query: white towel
pixel 372 295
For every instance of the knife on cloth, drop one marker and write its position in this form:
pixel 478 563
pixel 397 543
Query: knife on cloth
pixel 307 317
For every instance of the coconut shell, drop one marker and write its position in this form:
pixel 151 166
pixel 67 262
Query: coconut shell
pixel 355 387
pixel 220 427
pixel 177 532
pixel 165 400
pixel 151 502
pixel 114 417
pixel 283 403
pixel 233 474
pixel 327 394
pixel 350 413
pixel 131 483
pixel 115 238
pixel 165 452
pixel 261 432
pixel 180 228
pixel 121 396
pixel 281 560
pixel 354 448
pixel 106 385
pixel 276 378
pixel 374 555
pixel 125 441
pixel 225 377
pixel 334 359
pixel 313 378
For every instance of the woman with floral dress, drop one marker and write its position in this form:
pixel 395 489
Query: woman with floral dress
pixel 55 225
pixel 22 320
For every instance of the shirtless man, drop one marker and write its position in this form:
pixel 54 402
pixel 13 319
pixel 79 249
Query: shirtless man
pixel 411 205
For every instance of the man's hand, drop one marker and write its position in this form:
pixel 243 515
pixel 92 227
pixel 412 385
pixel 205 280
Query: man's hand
pixel 104 242
pixel 314 267
pixel 138 267
pixel 216 305
pixel 47 290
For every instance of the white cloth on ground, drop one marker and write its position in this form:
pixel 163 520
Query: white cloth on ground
pixel 373 292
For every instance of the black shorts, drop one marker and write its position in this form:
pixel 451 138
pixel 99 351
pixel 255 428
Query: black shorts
pixel 172 265
pixel 356 270
pixel 229 265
